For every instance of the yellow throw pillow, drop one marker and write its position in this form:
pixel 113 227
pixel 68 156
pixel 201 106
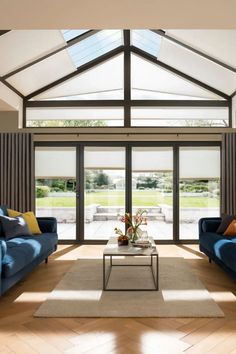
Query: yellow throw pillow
pixel 30 219
pixel 231 229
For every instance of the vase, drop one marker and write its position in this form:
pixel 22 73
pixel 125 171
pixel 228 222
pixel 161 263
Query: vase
pixel 135 234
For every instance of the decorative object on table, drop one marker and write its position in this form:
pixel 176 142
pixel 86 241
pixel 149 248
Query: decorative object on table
pixel 123 240
pixel 134 222
pixel 142 243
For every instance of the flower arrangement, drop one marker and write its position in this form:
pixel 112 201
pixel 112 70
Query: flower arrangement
pixel 123 240
pixel 134 221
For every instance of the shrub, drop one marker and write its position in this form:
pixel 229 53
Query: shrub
pixel 42 191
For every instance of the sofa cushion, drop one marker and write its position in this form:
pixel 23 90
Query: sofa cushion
pixel 30 219
pixel 13 227
pixel 21 251
pixel 225 250
pixel 210 225
pixel 3 211
pixel 3 245
pixel 226 220
pixel 231 229
pixel 208 240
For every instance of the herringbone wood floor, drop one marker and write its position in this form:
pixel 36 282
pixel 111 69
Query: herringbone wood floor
pixel 20 332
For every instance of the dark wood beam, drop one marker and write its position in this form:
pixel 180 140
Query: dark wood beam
pixel 196 51
pixel 127 79
pixel 2 32
pixel 154 60
pixel 78 71
pixel 12 88
pixel 43 57
pixel 132 103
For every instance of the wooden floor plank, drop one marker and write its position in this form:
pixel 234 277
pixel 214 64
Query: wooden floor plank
pixel 21 333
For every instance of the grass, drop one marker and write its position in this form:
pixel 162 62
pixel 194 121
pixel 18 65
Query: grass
pixel 140 198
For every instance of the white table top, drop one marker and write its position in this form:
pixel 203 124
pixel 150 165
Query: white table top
pixel 112 249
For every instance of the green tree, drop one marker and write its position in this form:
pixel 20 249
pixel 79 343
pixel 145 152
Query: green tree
pixel 101 179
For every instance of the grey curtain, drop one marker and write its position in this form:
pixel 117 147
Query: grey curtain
pixel 228 173
pixel 17 171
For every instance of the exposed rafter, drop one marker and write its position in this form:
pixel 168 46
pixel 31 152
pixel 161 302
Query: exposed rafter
pixel 11 87
pixel 233 94
pixel 196 51
pixel 79 70
pixel 2 32
pixel 43 57
pixel 154 60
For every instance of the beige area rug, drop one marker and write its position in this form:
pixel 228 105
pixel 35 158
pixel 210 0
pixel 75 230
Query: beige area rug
pixel 79 293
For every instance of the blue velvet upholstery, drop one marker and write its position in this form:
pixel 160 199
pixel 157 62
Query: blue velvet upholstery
pixel 217 247
pixel 20 255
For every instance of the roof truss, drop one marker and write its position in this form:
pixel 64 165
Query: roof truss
pixel 127 49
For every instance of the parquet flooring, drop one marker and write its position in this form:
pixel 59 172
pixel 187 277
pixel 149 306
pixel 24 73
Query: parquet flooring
pixel 21 333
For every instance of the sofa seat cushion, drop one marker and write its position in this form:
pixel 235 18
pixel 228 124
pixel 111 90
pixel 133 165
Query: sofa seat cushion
pixel 21 251
pixel 208 240
pixel 222 247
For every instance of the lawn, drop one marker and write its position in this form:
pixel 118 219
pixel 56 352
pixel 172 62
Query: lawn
pixel 140 198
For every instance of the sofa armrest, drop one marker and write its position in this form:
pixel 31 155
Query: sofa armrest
pixel 208 224
pixel 47 224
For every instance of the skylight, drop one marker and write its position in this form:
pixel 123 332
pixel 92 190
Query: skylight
pixel 71 34
pixel 95 46
pixel 146 40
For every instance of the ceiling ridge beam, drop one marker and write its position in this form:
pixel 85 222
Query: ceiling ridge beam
pixel 12 88
pixel 154 60
pixel 68 44
pixel 194 50
pixel 78 71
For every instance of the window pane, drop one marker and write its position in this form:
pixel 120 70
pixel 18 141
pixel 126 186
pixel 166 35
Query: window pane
pixel 180 116
pixel 75 117
pixel 146 40
pixel 70 34
pixel 104 81
pixel 152 189
pixel 155 82
pixel 55 174
pixel 199 187
pixel 104 190
pixel 95 46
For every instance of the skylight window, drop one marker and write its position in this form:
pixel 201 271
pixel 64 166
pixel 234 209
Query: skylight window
pixel 146 40
pixel 95 46
pixel 71 34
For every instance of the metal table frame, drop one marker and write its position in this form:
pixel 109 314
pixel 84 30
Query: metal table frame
pixel 153 265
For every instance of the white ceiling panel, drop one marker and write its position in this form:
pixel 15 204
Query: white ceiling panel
pixel 42 73
pixel 102 78
pixel 20 47
pixel 197 67
pixel 219 44
pixel 148 76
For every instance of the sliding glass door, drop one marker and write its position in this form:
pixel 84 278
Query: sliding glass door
pixel 199 187
pixel 104 191
pixel 152 188
pixel 87 187
pixel 55 180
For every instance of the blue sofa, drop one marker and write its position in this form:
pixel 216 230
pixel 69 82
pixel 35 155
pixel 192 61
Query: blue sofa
pixel 20 255
pixel 219 248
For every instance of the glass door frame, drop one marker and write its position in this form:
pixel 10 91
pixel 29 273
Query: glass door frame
pixel 128 180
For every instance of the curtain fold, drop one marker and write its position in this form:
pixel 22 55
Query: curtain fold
pixel 17 171
pixel 228 173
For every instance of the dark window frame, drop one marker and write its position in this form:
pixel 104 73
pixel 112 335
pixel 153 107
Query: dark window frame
pixel 128 176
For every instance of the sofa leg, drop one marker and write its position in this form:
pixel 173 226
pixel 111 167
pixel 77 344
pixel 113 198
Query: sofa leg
pixel 209 260
pixel 46 260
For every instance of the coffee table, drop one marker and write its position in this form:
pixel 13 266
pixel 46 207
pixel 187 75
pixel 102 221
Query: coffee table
pixel 112 250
